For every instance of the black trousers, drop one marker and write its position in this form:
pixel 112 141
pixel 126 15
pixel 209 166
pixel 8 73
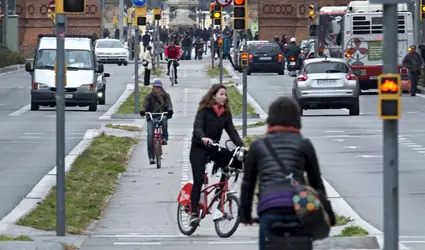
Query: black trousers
pixel 175 68
pixel 147 77
pixel 198 159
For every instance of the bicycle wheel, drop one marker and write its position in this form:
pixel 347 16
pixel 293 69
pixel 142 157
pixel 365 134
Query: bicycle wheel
pixel 184 212
pixel 234 202
pixel 158 153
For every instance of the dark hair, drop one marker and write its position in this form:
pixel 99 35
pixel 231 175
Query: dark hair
pixel 284 111
pixel 208 99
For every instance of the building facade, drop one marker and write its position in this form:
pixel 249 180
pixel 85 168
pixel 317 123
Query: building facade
pixel 279 17
pixel 33 20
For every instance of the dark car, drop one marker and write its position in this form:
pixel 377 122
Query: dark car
pixel 266 57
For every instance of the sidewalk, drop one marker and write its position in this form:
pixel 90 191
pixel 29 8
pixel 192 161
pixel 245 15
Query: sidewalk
pixel 144 206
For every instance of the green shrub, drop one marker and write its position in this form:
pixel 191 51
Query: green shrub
pixel 8 57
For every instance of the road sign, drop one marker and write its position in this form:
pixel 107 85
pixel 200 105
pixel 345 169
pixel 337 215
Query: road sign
pixel 139 3
pixel 51 5
pixel 223 3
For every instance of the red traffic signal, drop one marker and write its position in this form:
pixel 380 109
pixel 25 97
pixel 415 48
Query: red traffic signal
pixel 239 2
pixel 212 6
pixel 389 86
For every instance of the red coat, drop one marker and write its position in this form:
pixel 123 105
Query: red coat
pixel 172 52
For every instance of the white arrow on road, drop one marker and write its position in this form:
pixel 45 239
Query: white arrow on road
pixel 352 147
pixel 369 156
pixel 339 140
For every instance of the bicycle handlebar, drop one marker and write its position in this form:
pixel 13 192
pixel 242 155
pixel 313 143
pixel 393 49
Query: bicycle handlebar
pixel 152 114
pixel 230 171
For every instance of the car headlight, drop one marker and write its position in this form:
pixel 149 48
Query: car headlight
pixel 87 87
pixel 39 86
pixel 100 53
pixel 123 53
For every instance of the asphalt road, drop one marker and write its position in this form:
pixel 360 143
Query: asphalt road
pixel 28 138
pixel 350 153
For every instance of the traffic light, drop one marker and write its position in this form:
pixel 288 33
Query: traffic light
pixel 157 14
pixel 240 14
pixel 217 14
pixel 389 106
pixel 141 15
pixel 212 6
pixel 70 6
pixel 51 15
pixel 312 12
pixel 422 9
pixel 244 61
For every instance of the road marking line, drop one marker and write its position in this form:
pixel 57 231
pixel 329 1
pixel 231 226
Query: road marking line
pixel 414 146
pixel 136 243
pixel 334 131
pixel 30 137
pixel 21 111
pixel 231 242
pixel 33 133
pixel 186 162
pixel 185 102
pixel 142 236
pixel 418 148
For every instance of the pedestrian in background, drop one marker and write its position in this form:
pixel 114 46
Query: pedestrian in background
pixel 147 63
pixel 160 49
pixel 414 62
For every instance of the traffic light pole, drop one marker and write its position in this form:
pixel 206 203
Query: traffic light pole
pixel 136 69
pixel 60 124
pixel 221 64
pixel 212 47
pixel 418 28
pixel 390 137
pixel 244 93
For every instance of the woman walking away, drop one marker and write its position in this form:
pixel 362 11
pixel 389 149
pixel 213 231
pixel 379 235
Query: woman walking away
pixel 147 63
pixel 212 118
pixel 283 150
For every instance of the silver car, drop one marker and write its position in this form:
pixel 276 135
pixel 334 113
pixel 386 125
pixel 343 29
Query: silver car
pixel 327 83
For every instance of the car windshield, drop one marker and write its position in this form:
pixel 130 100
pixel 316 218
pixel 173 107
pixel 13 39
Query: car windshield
pixel 109 44
pixel 326 67
pixel 75 59
pixel 265 49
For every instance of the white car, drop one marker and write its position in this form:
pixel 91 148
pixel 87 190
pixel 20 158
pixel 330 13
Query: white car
pixel 111 51
pixel 327 83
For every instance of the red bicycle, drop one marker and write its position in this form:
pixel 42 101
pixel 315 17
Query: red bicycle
pixel 223 195
pixel 157 136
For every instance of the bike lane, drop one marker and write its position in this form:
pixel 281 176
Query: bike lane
pixel 142 214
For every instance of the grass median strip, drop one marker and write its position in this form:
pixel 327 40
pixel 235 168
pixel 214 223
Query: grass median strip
pixel 235 100
pixel 214 72
pixel 124 127
pixel 89 183
pixel 18 238
pixel 352 231
pixel 128 106
pixel 252 125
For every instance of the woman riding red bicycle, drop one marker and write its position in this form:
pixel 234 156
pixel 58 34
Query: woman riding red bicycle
pixel 212 118
pixel 158 101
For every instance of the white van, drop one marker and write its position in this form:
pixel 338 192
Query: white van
pixel 85 81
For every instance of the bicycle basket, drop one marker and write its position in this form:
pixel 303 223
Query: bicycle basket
pixel 224 158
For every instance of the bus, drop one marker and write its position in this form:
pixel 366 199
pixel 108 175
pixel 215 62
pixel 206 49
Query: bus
pixel 330 30
pixel 363 45
pixel 357 36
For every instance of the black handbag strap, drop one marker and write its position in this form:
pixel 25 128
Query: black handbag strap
pixel 276 158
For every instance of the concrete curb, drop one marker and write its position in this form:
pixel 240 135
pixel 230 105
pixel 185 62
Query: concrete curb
pixel 43 187
pixel 10 69
pixel 124 96
pixel 347 243
pixel 421 90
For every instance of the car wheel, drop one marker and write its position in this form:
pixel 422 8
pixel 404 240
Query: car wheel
pixel 34 106
pixel 355 108
pixel 119 64
pixel 248 72
pixel 93 106
pixel 281 72
pixel 126 63
pixel 102 101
